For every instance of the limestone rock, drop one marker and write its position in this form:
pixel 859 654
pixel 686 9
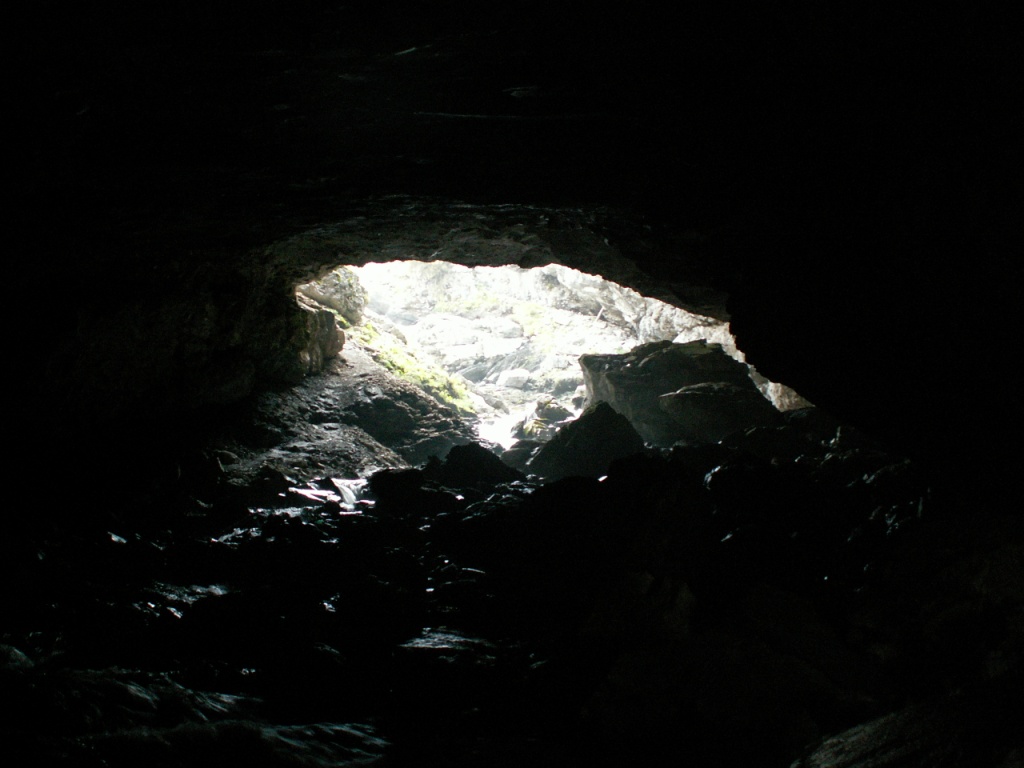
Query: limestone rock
pixel 311 337
pixel 340 290
pixel 520 453
pixel 515 378
pixel 324 339
pixel 587 445
pixel 543 422
pixel 710 411
pixel 634 383
pixel 979 728
pixel 470 466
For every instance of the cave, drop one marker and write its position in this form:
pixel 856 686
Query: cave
pixel 229 540
pixel 513 349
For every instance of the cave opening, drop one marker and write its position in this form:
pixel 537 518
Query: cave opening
pixel 703 557
pixel 191 576
pixel 510 348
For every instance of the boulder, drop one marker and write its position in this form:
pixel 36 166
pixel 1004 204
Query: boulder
pixel 323 339
pixel 633 384
pixel 518 456
pixel 515 378
pixel 542 422
pixel 585 447
pixel 396 483
pixel 406 493
pixel 980 727
pixel 340 290
pixel 470 466
pixel 710 411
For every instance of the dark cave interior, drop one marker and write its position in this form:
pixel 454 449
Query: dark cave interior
pixel 841 587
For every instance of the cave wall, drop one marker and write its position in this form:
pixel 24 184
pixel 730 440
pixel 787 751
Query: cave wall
pixel 849 179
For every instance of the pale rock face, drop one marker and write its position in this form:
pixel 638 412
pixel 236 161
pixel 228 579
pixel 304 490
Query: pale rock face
pixel 340 290
pixel 514 334
pixel 515 378
pixel 669 392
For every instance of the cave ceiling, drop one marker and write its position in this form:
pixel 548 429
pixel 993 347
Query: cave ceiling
pixel 843 187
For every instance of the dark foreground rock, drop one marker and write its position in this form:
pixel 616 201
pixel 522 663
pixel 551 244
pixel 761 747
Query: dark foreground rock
pixel 587 445
pixel 711 411
pixel 470 466
pixel 978 728
pixel 729 604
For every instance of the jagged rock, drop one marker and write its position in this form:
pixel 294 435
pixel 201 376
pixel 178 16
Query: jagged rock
pixel 518 456
pixel 766 443
pixel 981 727
pixel 13 659
pixel 315 338
pixel 543 422
pixel 633 384
pixel 340 290
pixel 470 466
pixel 587 445
pixel 325 340
pixel 391 483
pixel 515 378
pixel 709 412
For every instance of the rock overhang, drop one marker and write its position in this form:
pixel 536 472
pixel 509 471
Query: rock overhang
pixel 819 184
pixel 617 245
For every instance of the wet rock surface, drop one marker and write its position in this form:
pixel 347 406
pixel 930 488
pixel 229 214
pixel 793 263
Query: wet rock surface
pixel 354 417
pixel 789 594
pixel 849 178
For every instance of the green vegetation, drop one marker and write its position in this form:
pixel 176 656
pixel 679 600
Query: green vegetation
pixel 391 352
pixel 342 321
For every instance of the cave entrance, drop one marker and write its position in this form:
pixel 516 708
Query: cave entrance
pixel 502 345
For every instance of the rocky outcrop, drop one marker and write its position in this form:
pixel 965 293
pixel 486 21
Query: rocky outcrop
pixel 340 290
pixel 470 466
pixel 354 418
pixel 516 334
pixel 586 446
pixel 670 392
pixel 543 422
pixel 982 724
pixel 713 410
pixel 319 339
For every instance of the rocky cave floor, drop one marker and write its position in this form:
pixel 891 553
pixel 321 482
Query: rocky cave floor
pixel 792 593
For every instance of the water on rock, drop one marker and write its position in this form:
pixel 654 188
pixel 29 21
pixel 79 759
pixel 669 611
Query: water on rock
pixel 714 603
